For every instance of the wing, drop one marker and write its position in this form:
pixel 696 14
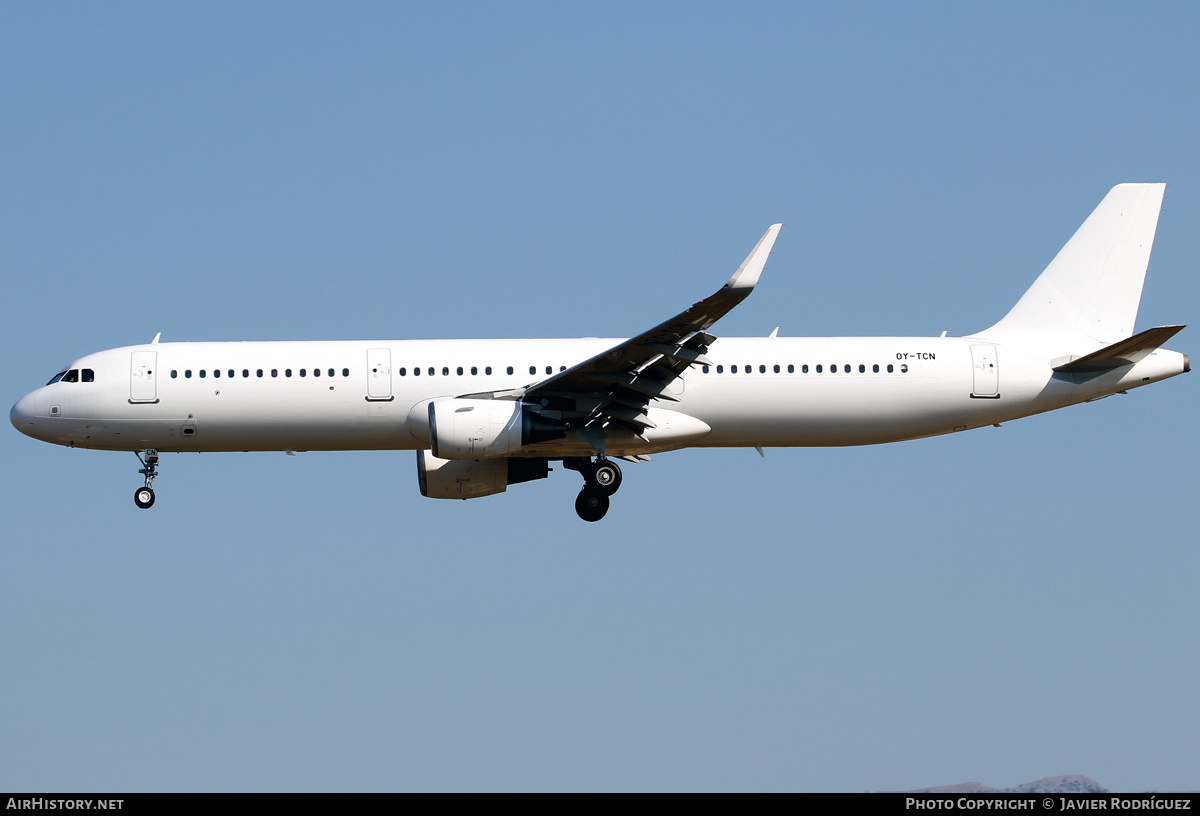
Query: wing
pixel 617 385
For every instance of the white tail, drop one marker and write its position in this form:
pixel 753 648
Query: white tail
pixel 1094 285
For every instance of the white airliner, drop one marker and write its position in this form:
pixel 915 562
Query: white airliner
pixel 486 414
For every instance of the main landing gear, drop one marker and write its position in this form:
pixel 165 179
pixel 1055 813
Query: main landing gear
pixel 601 479
pixel 143 497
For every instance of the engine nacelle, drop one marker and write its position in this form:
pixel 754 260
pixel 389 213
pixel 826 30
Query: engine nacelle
pixel 484 429
pixel 469 479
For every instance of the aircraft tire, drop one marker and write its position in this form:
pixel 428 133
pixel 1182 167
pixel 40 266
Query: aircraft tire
pixel 143 497
pixel 591 505
pixel 605 477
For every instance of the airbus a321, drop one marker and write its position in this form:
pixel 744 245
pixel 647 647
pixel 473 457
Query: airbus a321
pixel 485 414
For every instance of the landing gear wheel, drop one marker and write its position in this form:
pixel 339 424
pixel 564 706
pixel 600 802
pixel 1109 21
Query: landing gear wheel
pixel 591 505
pixel 605 477
pixel 143 497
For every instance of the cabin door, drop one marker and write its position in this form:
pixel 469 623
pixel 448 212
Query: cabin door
pixel 987 372
pixel 142 377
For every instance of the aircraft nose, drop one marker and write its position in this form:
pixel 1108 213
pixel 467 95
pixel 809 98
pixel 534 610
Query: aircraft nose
pixel 21 415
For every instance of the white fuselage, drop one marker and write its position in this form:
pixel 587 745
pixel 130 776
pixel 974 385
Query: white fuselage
pixel 486 414
pixel 368 395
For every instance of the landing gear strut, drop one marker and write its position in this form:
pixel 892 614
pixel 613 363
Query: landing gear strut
pixel 601 479
pixel 143 497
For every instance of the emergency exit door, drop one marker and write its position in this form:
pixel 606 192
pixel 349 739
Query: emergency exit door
pixel 379 374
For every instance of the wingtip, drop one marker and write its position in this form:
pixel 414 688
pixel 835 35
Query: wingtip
pixel 747 274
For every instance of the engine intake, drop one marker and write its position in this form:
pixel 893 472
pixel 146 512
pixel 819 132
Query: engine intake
pixel 485 429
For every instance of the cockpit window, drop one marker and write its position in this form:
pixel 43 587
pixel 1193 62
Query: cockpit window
pixel 57 377
pixel 71 376
pixel 88 375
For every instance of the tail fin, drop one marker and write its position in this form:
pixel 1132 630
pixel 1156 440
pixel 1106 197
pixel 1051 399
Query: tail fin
pixel 1094 285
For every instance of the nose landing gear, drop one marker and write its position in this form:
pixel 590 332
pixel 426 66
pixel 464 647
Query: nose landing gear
pixel 601 479
pixel 143 497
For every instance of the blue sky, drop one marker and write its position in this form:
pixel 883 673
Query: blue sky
pixel 997 606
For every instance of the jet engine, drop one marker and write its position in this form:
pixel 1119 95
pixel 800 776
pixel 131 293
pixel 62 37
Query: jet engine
pixel 485 429
pixel 468 479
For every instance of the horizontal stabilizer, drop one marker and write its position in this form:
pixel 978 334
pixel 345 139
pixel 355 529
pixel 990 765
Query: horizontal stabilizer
pixel 1125 352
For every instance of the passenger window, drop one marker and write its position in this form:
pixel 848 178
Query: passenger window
pixel 203 373
pixel 549 369
pixel 430 371
pixel 862 368
pixel 303 372
pixel 720 369
pixel 890 369
pixel 445 371
pixel 217 373
pixel 776 369
pixel 259 373
pixel 231 374
pixel 533 370
pixel 459 369
pixel 287 372
pixel 174 373
pixel 904 368
pixel 404 372
pixel 804 368
pixel 510 369
pixel 704 369
pixel 474 371
pixel 791 369
pixel 488 370
pixel 846 368
pixel 749 369
pixel 274 372
pixel 819 369
pixel 245 373
pixel 733 369
pixel 762 369
pixel 416 372
pixel 331 372
pixel 875 368
pixel 316 372
pixel 345 372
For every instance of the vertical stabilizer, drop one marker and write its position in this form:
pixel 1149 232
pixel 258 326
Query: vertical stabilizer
pixel 1094 285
